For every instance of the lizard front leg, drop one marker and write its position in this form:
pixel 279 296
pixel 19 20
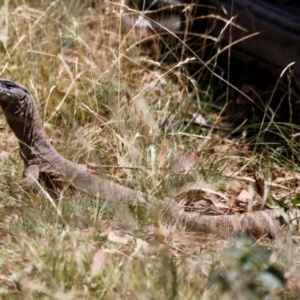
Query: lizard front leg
pixel 31 177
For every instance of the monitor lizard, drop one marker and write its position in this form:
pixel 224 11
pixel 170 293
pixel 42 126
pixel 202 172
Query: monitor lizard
pixel 43 163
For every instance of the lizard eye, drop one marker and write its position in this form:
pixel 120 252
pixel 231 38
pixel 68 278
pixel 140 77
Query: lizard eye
pixel 10 84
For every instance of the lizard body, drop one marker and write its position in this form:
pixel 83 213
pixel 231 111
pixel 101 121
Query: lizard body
pixel 43 162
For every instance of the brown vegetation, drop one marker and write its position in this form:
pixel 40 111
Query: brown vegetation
pixel 105 102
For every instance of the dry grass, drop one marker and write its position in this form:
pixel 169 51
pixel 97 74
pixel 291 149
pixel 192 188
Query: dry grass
pixel 105 102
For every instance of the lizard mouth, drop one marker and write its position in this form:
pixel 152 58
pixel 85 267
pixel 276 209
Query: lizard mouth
pixel 10 105
pixel 6 98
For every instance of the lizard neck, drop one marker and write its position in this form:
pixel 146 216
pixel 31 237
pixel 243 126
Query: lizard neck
pixel 34 145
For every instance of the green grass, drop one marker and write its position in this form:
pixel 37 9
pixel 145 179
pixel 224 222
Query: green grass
pixel 108 103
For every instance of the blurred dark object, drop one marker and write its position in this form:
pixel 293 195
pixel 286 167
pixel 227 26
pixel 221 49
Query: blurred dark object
pixel 278 43
pixel 275 46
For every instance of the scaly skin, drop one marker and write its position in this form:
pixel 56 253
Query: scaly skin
pixel 43 162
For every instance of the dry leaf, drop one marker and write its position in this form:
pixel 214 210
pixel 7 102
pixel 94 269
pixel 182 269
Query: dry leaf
pixel 244 196
pixel 279 180
pixel 246 150
pixel 221 149
pixel 199 120
pixel 185 164
pixel 221 205
pixel 233 201
pixel 4 156
pixel 140 244
pixel 235 185
pixel 98 261
pixel 116 237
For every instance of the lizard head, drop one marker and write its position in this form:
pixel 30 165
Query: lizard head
pixel 14 98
